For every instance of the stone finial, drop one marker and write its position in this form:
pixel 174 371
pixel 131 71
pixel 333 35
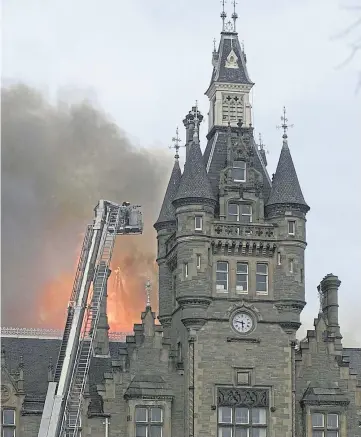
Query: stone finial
pixel 147 290
pixel 20 381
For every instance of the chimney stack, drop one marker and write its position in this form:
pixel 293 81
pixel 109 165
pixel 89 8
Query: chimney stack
pixel 329 303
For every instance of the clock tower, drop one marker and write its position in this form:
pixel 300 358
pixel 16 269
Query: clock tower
pixel 231 248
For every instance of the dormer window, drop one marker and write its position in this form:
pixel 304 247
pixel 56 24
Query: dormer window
pixel 239 171
pixel 240 213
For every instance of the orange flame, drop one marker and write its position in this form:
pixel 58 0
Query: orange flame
pixel 126 289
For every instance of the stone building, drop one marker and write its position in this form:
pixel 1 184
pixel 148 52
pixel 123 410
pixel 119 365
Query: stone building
pixel 224 360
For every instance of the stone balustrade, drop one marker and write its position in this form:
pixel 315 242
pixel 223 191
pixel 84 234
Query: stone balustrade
pixel 242 230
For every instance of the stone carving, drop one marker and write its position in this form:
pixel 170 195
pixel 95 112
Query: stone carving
pixel 5 394
pixel 241 305
pixel 243 397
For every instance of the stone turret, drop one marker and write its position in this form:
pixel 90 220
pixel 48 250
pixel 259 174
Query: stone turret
pixel 195 204
pixel 165 227
pixel 287 209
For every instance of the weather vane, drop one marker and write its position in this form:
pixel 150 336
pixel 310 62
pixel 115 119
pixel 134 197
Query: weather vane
pixel 223 14
pixel 261 145
pixel 147 290
pixel 284 124
pixel 234 15
pixel 176 140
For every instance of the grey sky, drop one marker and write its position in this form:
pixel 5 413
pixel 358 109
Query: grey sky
pixel 146 62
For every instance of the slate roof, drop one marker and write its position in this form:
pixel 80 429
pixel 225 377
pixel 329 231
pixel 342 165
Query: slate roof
pixel 326 393
pixel 148 385
pixel 217 147
pixel 220 73
pixel 354 356
pixel 194 183
pixel 167 212
pixel 285 185
pixel 36 355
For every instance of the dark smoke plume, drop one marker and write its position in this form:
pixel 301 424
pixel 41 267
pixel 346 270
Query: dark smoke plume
pixel 57 162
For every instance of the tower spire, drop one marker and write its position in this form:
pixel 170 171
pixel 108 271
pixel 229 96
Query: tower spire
pixel 286 188
pixel 285 127
pixel 147 290
pixel 234 15
pixel 223 15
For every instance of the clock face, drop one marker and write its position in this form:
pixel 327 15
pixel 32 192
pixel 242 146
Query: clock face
pixel 242 322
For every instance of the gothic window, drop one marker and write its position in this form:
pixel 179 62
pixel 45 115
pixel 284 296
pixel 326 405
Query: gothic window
pixel 186 270
pixel 240 212
pixel 325 425
pixel 242 422
pixel 148 422
pixel 8 422
pixel 239 171
pixel 242 278
pixel 232 108
pixel 222 276
pixel 291 228
pixel 198 223
pixel 262 278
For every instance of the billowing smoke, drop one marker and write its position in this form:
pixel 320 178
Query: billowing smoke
pixel 57 162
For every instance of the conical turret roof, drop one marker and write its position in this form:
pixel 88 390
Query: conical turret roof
pixel 195 183
pixel 167 212
pixel 285 185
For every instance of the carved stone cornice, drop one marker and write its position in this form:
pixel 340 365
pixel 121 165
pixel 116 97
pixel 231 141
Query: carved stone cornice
pixel 281 208
pixel 290 327
pixel 244 247
pixel 193 324
pixel 150 397
pixel 293 306
pixel 165 321
pixel 190 301
pixel 169 225
pixel 194 201
pixel 243 340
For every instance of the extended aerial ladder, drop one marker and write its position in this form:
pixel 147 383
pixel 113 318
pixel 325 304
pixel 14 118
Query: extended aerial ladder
pixel 62 409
